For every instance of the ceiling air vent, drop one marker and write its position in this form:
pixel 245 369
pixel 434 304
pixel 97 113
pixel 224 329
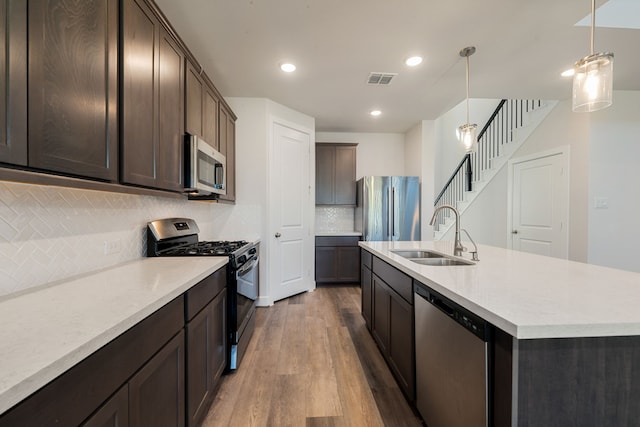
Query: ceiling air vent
pixel 380 78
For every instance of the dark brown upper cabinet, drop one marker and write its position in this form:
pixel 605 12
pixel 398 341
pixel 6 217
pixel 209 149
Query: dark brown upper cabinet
pixel 13 90
pixel 73 96
pixel 201 107
pixel 227 138
pixel 152 101
pixel 335 174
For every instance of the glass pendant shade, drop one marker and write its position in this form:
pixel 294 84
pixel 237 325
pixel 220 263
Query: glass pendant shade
pixel 467 135
pixel 593 83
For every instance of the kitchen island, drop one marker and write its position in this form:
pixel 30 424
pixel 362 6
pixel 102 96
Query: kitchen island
pixel 566 335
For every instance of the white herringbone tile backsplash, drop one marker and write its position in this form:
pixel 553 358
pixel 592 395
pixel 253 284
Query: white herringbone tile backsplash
pixel 53 233
pixel 334 218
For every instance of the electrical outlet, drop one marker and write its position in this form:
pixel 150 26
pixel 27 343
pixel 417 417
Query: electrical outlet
pixel 112 246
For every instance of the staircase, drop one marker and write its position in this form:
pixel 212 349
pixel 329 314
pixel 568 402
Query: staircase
pixel 506 130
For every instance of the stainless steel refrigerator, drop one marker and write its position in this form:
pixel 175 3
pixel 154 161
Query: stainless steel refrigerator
pixel 388 208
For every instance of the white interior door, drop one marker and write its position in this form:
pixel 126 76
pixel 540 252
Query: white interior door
pixel 540 200
pixel 291 257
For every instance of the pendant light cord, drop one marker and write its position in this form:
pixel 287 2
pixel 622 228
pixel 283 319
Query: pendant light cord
pixel 593 25
pixel 468 89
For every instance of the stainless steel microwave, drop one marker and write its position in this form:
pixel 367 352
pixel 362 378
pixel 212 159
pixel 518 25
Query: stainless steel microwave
pixel 205 168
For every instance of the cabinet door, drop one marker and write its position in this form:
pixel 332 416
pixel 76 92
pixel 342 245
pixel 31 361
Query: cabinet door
pixel 325 174
pixel 206 356
pixel 193 101
pixel 156 392
pixel 345 178
pixel 401 348
pixel 73 78
pixel 227 137
pixel 218 337
pixel 114 413
pixel 13 90
pixel 381 312
pixel 326 265
pixel 367 295
pixel 139 93
pixel 199 375
pixel 210 120
pixel 348 264
pixel 170 109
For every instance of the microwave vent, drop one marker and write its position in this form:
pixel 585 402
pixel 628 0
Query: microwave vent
pixel 380 78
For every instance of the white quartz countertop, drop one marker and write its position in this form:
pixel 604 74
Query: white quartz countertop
pixel 338 233
pixel 529 296
pixel 45 332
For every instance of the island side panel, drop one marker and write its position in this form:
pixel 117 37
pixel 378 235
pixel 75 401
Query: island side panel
pixel 578 381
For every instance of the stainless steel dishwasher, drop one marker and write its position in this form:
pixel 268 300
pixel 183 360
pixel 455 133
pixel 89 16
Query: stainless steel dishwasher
pixel 452 362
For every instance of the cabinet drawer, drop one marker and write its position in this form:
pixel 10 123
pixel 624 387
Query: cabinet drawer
pixel 397 280
pixel 337 240
pixel 201 294
pixel 366 258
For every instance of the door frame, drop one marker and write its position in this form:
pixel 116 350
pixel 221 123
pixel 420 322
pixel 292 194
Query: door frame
pixel 267 298
pixel 564 152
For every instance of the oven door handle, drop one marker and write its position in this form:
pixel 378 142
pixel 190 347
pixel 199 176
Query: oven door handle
pixel 248 266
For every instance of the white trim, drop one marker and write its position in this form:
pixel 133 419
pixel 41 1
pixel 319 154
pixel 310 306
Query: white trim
pixel 564 151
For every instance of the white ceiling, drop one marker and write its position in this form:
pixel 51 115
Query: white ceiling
pixel 522 47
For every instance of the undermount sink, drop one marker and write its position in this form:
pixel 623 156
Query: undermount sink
pixel 418 254
pixel 441 261
pixel 427 257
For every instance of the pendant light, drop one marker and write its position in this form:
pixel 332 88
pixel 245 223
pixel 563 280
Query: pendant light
pixel 467 132
pixel 593 77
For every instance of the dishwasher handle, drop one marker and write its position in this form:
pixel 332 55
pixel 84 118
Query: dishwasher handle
pixel 473 323
pixel 443 306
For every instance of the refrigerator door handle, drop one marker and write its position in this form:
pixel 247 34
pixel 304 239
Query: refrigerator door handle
pixel 389 214
pixel 393 213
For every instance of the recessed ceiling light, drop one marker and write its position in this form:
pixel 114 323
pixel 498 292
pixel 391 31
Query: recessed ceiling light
pixel 568 73
pixel 413 61
pixel 375 113
pixel 288 67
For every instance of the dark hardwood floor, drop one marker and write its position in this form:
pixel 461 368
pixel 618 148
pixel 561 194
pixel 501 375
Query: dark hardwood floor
pixel 312 363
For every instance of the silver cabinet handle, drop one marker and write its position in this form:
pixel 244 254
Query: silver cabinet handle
pixel 278 235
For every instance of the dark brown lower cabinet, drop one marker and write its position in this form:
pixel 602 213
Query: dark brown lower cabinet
pixel 114 413
pixel 337 259
pixel 206 353
pixel 389 293
pixel 366 283
pixel 156 392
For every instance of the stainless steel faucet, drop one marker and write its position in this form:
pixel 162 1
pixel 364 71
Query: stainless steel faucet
pixel 457 248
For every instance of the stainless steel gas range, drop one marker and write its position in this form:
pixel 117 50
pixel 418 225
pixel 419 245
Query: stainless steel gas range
pixel 179 237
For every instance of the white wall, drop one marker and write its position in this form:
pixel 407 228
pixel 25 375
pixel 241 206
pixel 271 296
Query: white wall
pixel 420 145
pixel 378 154
pixel 614 165
pixel 449 151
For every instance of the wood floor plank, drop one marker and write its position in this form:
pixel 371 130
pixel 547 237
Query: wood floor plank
pixel 288 407
pixel 322 396
pixel 325 422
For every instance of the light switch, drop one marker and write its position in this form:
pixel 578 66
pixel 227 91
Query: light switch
pixel 601 203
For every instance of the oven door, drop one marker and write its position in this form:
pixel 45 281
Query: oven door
pixel 247 281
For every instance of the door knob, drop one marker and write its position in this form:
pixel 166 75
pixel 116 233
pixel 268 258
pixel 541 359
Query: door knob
pixel 514 232
pixel 278 235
